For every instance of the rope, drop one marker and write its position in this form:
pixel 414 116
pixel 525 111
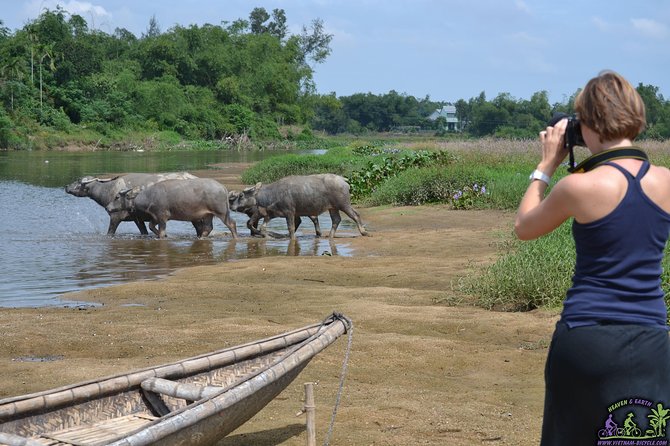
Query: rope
pixel 345 365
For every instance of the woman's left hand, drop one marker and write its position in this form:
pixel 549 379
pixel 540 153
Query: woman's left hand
pixel 553 147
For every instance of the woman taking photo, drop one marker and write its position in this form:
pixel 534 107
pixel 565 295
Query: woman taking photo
pixel 610 348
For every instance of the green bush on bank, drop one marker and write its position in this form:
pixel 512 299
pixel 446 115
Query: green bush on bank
pixel 384 164
pixel 339 161
pixel 445 184
pixel 462 184
pixel 526 275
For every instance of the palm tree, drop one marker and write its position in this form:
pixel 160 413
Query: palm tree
pixel 32 36
pixel 658 418
pixel 12 70
pixel 46 51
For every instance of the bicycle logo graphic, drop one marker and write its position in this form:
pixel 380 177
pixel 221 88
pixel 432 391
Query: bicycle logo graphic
pixel 631 429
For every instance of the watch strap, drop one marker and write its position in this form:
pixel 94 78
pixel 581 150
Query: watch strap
pixel 539 175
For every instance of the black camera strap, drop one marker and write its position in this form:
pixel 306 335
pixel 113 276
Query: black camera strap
pixel 594 161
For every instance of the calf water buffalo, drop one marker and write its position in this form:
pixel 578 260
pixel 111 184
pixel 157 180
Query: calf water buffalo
pixel 186 200
pixel 297 196
pixel 103 191
pixel 255 216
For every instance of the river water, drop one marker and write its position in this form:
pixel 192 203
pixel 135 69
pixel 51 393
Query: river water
pixel 53 243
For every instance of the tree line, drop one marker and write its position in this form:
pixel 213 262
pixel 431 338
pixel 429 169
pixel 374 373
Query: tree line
pixel 503 116
pixel 246 77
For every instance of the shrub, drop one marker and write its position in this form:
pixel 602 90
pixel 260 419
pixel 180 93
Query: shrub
pixel 527 275
pixel 276 167
pixel 388 163
pixel 534 274
pixel 305 135
pixel 5 129
pixel 463 189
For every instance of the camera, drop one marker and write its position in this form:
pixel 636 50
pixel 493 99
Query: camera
pixel 573 132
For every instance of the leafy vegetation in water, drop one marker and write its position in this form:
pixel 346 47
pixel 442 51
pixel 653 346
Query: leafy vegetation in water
pixel 388 163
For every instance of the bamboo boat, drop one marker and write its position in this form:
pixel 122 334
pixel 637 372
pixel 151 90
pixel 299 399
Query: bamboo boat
pixel 195 401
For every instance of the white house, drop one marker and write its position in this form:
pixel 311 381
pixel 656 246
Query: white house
pixel 448 112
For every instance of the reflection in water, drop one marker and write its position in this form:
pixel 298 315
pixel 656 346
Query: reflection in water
pixel 53 243
pixel 139 258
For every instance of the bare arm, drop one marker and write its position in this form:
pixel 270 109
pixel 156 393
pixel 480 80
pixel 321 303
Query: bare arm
pixel 538 215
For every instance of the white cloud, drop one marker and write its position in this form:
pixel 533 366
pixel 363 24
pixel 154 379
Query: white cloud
pixel 76 7
pixel 650 28
pixel 601 24
pixel 87 10
pixel 522 6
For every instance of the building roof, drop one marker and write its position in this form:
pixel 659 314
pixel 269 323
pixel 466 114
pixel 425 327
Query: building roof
pixel 448 112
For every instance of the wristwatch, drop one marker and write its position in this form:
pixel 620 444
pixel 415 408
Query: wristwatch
pixel 539 175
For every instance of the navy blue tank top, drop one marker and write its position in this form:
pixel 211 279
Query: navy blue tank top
pixel 618 269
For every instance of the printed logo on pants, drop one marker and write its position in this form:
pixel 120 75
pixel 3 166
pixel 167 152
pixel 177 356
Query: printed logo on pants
pixel 623 426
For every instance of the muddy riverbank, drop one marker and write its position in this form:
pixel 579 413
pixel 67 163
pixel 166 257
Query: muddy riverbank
pixel 426 367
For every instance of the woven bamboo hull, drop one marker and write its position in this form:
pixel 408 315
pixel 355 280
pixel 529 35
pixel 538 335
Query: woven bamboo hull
pixel 133 409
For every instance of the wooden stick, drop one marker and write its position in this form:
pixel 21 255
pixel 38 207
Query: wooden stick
pixel 310 410
pixel 189 392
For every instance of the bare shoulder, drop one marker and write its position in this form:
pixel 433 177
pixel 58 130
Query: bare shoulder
pixel 656 184
pixel 593 194
pixel 583 183
pixel 661 171
pixel 657 177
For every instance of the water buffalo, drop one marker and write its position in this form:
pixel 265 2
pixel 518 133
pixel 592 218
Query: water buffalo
pixel 103 191
pixel 186 200
pixel 255 216
pixel 296 196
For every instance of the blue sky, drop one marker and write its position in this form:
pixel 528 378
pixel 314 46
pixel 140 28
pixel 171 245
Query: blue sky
pixel 446 49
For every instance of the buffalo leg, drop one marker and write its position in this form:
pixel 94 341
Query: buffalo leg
pixel 115 218
pixel 252 224
pixel 253 228
pixel 162 228
pixel 315 221
pixel 266 220
pixel 290 224
pixel 317 228
pixel 152 227
pixel 113 224
pixel 141 226
pixel 352 214
pixel 229 222
pixel 336 219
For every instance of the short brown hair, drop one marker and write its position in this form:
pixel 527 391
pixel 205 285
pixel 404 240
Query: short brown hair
pixel 611 107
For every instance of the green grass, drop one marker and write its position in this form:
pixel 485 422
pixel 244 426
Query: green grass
pixel 526 275
pixel 337 160
pixel 533 274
